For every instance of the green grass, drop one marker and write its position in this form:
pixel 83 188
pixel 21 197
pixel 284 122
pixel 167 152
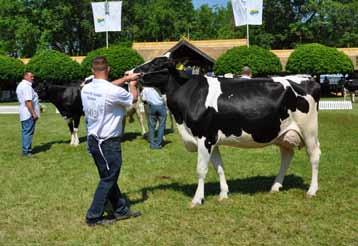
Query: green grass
pixel 44 198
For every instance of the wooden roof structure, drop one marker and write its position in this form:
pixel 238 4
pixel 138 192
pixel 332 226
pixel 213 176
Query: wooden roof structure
pixel 209 48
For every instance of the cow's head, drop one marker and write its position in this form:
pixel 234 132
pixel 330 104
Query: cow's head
pixel 42 90
pixel 155 72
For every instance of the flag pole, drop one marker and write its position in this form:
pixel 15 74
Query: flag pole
pixel 247 30
pixel 247 36
pixel 107 13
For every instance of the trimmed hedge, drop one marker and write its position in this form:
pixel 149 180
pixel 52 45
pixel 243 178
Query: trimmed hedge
pixel 120 59
pixel 261 61
pixel 54 67
pixel 318 59
pixel 11 71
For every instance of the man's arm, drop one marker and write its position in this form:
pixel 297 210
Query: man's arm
pixel 126 78
pixel 30 107
pixel 132 79
pixel 133 90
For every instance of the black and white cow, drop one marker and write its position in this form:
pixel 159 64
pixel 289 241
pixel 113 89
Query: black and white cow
pixel 67 99
pixel 352 87
pixel 240 113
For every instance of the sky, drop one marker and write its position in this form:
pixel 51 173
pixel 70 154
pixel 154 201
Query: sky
pixel 198 3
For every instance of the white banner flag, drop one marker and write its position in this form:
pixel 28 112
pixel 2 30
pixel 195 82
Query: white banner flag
pixel 247 12
pixel 107 16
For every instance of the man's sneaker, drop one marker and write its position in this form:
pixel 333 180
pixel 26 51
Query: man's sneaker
pixel 101 221
pixel 129 214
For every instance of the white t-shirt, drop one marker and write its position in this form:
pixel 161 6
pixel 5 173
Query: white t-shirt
pixel 151 96
pixel 104 105
pixel 25 92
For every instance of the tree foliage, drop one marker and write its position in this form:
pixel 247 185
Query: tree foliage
pixel 318 59
pixel 11 71
pixel 120 59
pixel 54 67
pixel 28 26
pixel 261 61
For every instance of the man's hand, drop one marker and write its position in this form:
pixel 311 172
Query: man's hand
pixel 35 117
pixel 127 78
pixel 133 76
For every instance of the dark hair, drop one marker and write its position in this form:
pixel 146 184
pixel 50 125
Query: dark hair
pixel 99 64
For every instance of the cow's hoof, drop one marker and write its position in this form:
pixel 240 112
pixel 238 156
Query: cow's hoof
pixel 223 197
pixel 276 187
pixel 194 204
pixel 310 194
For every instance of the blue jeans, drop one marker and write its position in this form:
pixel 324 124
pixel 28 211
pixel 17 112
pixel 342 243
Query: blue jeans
pixel 156 114
pixel 108 158
pixel 28 130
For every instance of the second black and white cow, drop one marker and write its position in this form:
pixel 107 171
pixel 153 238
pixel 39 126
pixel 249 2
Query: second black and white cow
pixel 67 99
pixel 240 113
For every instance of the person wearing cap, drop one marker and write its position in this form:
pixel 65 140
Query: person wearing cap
pixel 104 105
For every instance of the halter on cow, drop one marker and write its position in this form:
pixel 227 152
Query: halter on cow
pixel 240 113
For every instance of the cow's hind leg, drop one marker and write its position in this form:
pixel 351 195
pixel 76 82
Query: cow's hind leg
pixel 202 169
pixel 218 165
pixel 140 119
pixel 314 153
pixel 286 157
pixel 76 120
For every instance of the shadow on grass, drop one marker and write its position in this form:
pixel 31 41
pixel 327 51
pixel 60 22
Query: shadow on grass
pixel 250 185
pixel 46 146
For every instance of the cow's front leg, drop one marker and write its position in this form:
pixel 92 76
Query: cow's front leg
pixel 219 167
pixel 76 140
pixel 202 168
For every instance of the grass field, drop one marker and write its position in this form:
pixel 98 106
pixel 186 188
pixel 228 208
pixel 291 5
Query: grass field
pixel 43 199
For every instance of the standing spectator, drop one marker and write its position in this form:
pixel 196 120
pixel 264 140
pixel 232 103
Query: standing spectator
pixel 246 73
pixel 104 106
pixel 29 111
pixel 157 112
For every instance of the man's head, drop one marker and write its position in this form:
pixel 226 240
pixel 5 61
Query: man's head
pixel 29 76
pixel 100 66
pixel 246 71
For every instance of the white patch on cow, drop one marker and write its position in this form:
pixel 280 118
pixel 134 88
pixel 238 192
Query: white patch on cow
pixel 282 80
pixel 298 78
pixel 214 93
pixel 189 140
pixel 230 96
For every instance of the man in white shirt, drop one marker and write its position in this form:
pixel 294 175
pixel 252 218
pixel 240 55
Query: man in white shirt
pixel 246 73
pixel 157 112
pixel 104 105
pixel 29 111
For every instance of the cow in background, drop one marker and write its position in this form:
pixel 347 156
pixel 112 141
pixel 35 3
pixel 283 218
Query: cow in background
pixel 241 113
pixel 67 100
pixel 351 86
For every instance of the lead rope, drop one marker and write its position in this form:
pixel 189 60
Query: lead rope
pixel 100 141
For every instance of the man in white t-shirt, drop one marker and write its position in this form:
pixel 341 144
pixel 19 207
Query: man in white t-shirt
pixel 246 73
pixel 29 111
pixel 156 112
pixel 104 105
